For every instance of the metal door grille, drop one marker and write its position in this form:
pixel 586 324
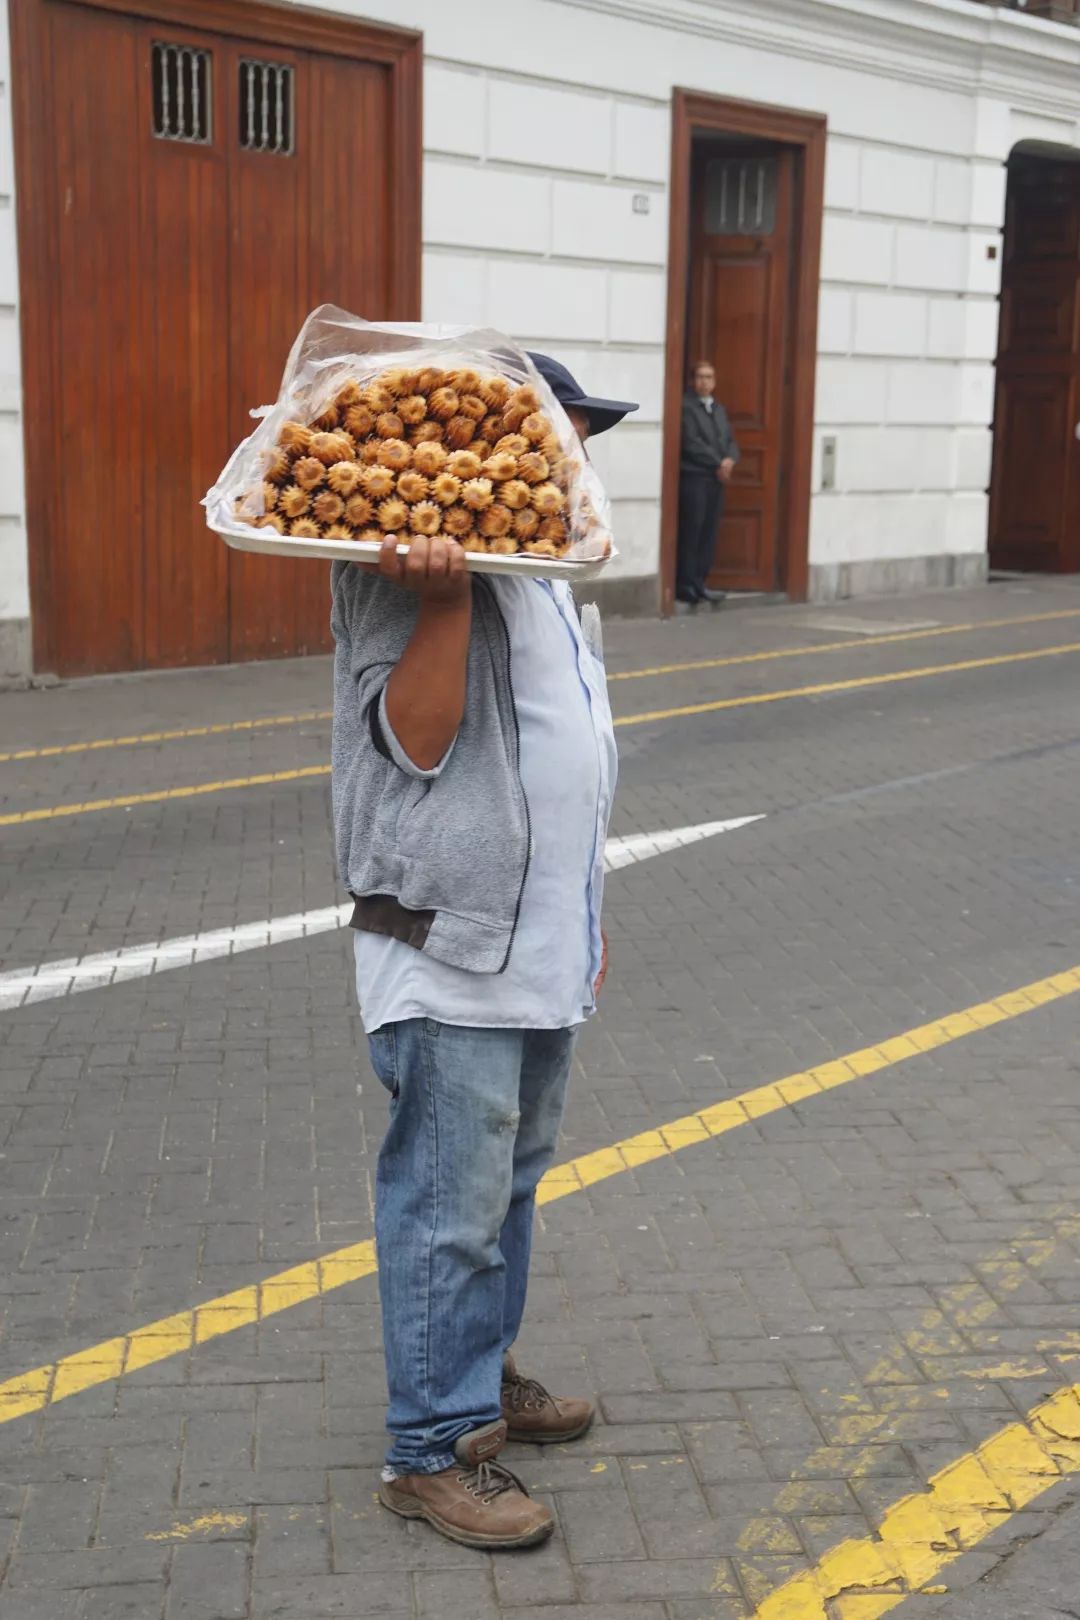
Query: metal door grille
pixel 740 196
pixel 181 99
pixel 266 107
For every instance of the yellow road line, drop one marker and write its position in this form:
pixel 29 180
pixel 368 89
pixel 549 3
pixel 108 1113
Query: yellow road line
pixel 167 736
pixel 842 686
pixel 124 801
pixel 849 645
pixel 158 1341
pixel 51 812
pixel 922 1534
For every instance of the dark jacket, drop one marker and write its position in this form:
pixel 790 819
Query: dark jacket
pixel 707 439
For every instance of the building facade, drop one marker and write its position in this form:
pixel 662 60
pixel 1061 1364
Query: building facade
pixel 865 212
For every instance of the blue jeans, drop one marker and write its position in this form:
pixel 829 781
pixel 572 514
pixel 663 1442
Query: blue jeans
pixel 474 1119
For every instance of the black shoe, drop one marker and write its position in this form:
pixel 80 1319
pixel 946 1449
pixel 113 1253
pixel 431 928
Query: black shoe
pixel 715 597
pixel 689 597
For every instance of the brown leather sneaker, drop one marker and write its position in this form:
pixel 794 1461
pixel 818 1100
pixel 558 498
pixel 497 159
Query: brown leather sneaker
pixel 476 1503
pixel 531 1414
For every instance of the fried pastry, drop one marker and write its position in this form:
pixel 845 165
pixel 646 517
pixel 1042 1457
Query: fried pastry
pixel 445 488
pixel 495 522
pixel 526 523
pixel 359 511
pixel 331 447
pixel 476 494
pixel 500 466
pixel 515 494
pixel 271 520
pixel 304 529
pixel 426 433
pixel 339 531
pixel 412 409
pixel 443 403
pixel 359 420
pixel 463 464
pixel 296 437
pixel 513 444
pixel 395 454
pixel 458 432
pixel 294 501
pixel 393 514
pixel 327 419
pixel 536 427
pixel 472 406
pixel 548 499
pixel 378 482
pixel 327 507
pixel 457 521
pixel 377 397
pixel 309 472
pixel 345 477
pixel 430 458
pixel 275 465
pixel 533 467
pixel 425 518
pixel 494 391
pixel 413 487
pixel 347 395
pixel 389 425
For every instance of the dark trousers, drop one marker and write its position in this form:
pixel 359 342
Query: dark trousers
pixel 701 506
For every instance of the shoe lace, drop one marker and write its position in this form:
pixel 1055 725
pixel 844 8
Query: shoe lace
pixel 521 1391
pixel 489 1480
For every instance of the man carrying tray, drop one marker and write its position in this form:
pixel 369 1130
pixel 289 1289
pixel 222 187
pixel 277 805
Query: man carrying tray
pixel 473 770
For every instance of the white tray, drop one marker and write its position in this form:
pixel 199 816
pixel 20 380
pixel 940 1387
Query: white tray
pixel 271 544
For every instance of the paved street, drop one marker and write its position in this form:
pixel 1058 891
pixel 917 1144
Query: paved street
pixel 814 1237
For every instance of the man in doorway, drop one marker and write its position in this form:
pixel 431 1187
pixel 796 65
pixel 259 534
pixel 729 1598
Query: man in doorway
pixel 708 458
pixel 471 812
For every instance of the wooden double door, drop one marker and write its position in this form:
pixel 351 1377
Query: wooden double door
pixel 198 193
pixel 740 319
pixel 1035 489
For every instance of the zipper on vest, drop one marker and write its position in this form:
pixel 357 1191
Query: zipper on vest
pixel 480 580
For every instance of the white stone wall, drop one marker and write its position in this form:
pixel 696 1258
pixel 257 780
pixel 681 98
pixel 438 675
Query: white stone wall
pixel 14 586
pixel 530 227
pixel 544 119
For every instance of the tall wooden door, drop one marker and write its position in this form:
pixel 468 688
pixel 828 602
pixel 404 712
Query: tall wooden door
pixel 203 193
pixel 1035 489
pixel 740 319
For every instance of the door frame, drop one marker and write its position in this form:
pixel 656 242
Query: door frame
pixel 696 113
pixel 267 21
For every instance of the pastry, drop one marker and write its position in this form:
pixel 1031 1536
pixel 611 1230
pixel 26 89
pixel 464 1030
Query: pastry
pixel 295 436
pixel 294 501
pixel 389 425
pixel 275 465
pixel 359 420
pixel 476 494
pixel 495 523
pixel 339 531
pixel 345 477
pixel 443 403
pixel 548 499
pixel 458 432
pixel 304 529
pixel 514 444
pixel 327 507
pixel 309 472
pixel 446 489
pixel 463 464
pixel 412 487
pixel 395 454
pixel 500 466
pixel 393 514
pixel 425 432
pixel 359 511
pixel 425 518
pixel 412 409
pixel 515 494
pixel 430 458
pixel 331 447
pixel 378 482
pixel 526 523
pixel 458 521
pixel 533 467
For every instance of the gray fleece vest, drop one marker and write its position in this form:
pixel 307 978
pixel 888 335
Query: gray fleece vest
pixel 437 861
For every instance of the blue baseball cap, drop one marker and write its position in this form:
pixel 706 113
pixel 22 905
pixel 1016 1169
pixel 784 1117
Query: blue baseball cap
pixel 602 413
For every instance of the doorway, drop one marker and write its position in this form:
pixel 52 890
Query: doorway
pixel 1035 484
pixel 747 196
pixel 193 180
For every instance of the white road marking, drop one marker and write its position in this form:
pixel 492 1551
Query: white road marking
pixel 21 986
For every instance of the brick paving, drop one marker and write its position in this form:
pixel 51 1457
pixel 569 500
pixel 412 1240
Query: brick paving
pixel 788 1328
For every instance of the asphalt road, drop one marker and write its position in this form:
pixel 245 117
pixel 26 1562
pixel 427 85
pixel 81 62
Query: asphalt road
pixel 814 1238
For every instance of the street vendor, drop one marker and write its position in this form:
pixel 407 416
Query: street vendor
pixel 473 769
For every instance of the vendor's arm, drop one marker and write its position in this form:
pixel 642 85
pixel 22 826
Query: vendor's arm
pixel 425 695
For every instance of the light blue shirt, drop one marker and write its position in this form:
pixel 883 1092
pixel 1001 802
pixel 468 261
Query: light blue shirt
pixel 568 769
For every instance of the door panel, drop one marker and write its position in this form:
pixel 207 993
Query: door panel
pixel 740 320
pixel 99 440
pixel 183 368
pixel 1035 488
pixel 269 225
pixel 203 193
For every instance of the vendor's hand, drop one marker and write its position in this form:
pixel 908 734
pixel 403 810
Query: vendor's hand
pixel 433 568
pixel 602 975
pixel 725 470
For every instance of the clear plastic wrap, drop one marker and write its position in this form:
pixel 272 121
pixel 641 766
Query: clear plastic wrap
pixel 383 429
